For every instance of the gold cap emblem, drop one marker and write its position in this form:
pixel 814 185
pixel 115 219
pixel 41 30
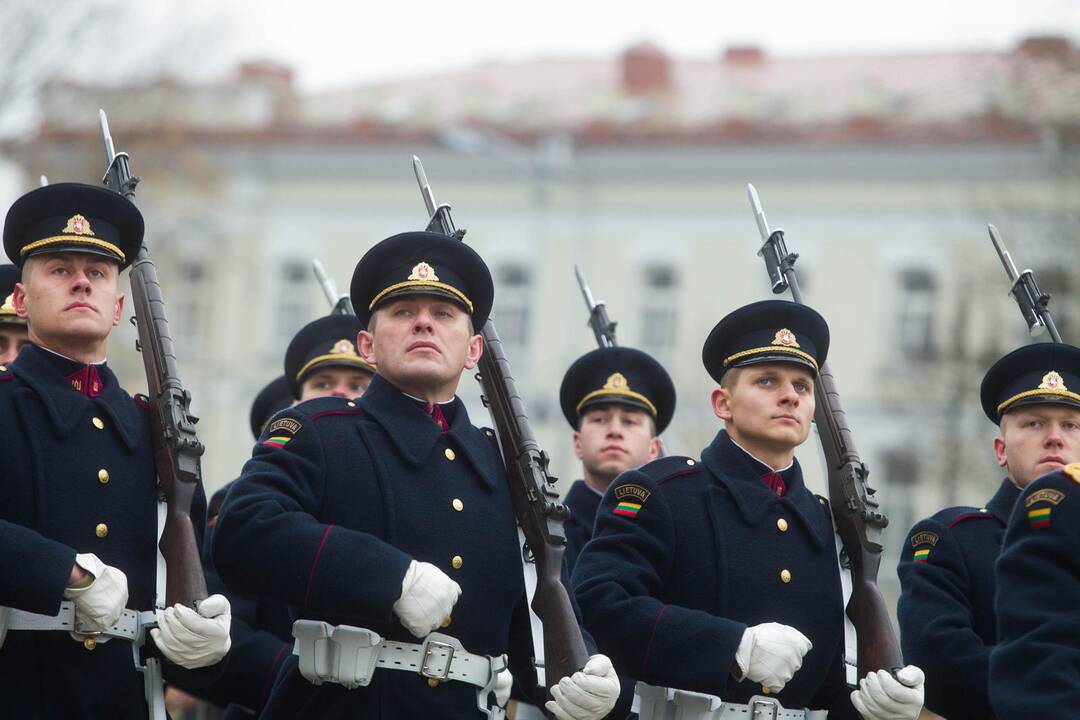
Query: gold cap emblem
pixel 1052 381
pixel 9 304
pixel 423 272
pixel 786 338
pixel 616 381
pixel 78 225
pixel 343 347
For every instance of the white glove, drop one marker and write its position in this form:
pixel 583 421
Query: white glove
pixel 503 682
pixel 99 604
pixel 882 697
pixel 195 639
pixel 427 597
pixel 588 694
pixel 770 654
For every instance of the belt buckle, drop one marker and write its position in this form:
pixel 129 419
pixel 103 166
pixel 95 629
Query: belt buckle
pixel 759 702
pixel 436 645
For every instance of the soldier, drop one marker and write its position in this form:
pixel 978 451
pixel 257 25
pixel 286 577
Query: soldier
pixel 12 327
pixel 78 496
pixel 382 512
pixel 618 400
pixel 1035 666
pixel 322 360
pixel 720 575
pixel 946 608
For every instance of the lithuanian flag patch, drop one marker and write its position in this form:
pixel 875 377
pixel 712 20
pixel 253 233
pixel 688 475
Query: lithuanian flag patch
pixel 627 509
pixel 1039 518
pixel 276 441
pixel 922 555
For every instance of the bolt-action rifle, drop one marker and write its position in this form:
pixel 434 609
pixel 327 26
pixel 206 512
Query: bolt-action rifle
pixel 532 488
pixel 855 511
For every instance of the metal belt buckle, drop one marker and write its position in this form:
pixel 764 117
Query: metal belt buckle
pixel 768 704
pixel 436 645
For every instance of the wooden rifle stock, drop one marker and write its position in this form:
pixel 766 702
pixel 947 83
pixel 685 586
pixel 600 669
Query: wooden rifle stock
pixel 176 447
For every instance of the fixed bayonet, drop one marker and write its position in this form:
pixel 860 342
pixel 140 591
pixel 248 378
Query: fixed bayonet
pixel 339 304
pixel 1033 302
pixel 778 261
pixel 602 326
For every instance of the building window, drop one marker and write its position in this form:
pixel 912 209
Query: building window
pixel 292 306
pixel 918 290
pixel 901 473
pixel 512 316
pixel 658 312
pixel 188 319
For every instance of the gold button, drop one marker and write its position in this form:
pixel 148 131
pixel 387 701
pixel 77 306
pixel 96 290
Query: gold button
pixel 489 433
pixel 98 423
pixel 449 454
pixel 103 476
pixel 781 525
pixel 432 682
pixel 457 562
pixel 89 643
pixel 351 404
pixel 3 368
pixel 785 575
pixel 689 461
pixel 446 622
pixel 458 505
pixel 102 530
pixel 765 690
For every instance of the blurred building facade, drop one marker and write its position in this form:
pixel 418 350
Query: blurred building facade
pixel 884 170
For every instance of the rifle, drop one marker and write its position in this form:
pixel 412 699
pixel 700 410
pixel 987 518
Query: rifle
pixel 532 488
pixel 602 326
pixel 1033 303
pixel 339 304
pixel 176 448
pixel 855 511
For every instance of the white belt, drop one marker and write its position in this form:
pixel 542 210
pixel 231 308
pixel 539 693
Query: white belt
pixel 658 703
pixel 130 626
pixel 348 656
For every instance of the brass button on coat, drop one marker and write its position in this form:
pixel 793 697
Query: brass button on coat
pixel 449 454
pixel 98 423
pixel 432 682
pixel 103 476
pixel 457 562
pixel 89 643
pixel 785 575
pixel 351 404
pixel 689 461
pixel 458 505
pixel 781 525
pixel 445 623
pixel 102 530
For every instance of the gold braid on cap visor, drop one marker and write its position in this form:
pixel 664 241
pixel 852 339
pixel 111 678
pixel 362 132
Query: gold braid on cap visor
pixel 342 358
pixel 771 349
pixel 1060 392
pixel 434 284
pixel 610 392
pixel 55 239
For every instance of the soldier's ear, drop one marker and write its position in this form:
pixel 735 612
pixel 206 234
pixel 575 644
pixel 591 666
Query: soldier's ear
pixel 999 451
pixel 18 299
pixel 119 313
pixel 577 445
pixel 365 343
pixel 721 403
pixel 476 349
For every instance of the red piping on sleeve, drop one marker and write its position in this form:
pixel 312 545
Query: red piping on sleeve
pixel 315 563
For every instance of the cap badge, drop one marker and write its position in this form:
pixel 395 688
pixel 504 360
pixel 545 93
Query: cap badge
pixel 423 272
pixel 9 305
pixel 786 338
pixel 343 347
pixel 1052 381
pixel 78 225
pixel 616 381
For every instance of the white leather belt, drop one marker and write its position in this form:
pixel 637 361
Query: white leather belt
pixel 657 703
pixel 348 656
pixel 130 626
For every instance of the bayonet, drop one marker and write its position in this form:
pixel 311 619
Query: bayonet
pixel 1033 302
pixel 339 304
pixel 602 326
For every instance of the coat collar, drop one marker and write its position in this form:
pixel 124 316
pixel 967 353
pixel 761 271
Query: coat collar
pixel 1001 504
pixel 47 375
pixel 415 435
pixel 739 474
pixel 584 502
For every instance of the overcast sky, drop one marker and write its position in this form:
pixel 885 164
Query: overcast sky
pixel 332 43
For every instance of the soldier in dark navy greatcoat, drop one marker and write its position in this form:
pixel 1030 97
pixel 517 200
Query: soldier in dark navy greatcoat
pixel 391 513
pixel 721 575
pixel 946 610
pixel 12 327
pixel 78 490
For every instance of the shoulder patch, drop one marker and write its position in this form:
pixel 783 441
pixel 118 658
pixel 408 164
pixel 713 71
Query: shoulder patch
pixel 284 425
pixel 924 538
pixel 1039 518
pixel 1073 471
pixel 630 498
pixel 1045 495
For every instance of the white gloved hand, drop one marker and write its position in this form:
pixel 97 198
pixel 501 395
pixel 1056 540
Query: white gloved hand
pixel 503 682
pixel 195 639
pixel 770 654
pixel 427 597
pixel 99 604
pixel 588 694
pixel 882 697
